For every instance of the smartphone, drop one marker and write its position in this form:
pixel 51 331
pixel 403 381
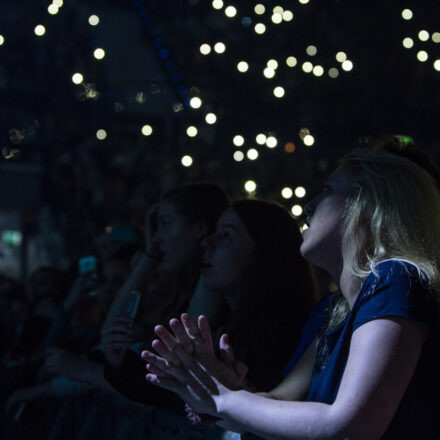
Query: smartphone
pixel 88 266
pixel 133 304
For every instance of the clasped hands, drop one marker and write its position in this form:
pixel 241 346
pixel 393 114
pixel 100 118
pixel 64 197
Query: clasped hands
pixel 186 364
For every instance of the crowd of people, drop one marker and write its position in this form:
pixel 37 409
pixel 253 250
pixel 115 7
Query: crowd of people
pixel 213 315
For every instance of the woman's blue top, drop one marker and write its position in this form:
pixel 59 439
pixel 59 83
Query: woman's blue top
pixel 396 289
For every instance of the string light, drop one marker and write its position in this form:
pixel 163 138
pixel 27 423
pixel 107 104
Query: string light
pixel 195 102
pixel 220 47
pixel 77 78
pixel 205 49
pixel 422 56
pixel 423 35
pixel 408 42
pixel 187 161
pixel 2 39
pixel 211 118
pixel 238 156
pixel 58 3
pixel 260 28
pixel 93 20
pixel 99 53
pixel 278 10
pixel 307 67
pixel 437 65
pixel 261 139
pixel 300 192
pixel 242 66
pixel 297 210
pixel 303 2
pixel 40 30
pixel 101 134
pixel 287 192
pixel 407 14
pixel 238 140
pixel 347 65
pixel 250 186
pixel 279 92
pixel 252 154
pixel 436 37
pixel 308 140
pixel 147 130
pixel 230 11
pixel 191 131
pixel 271 142
pixel 289 147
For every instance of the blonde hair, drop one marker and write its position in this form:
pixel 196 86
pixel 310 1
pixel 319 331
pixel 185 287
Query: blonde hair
pixel 392 212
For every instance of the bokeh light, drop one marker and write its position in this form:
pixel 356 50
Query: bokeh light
pixel 261 139
pixel 230 11
pixel 347 65
pixel 333 72
pixel 308 140
pixel 191 131
pixel 250 186
pixel 279 92
pixel 296 210
pixel 195 102
pixel 341 57
pixel 287 193
pixel 238 140
pixel 307 67
pixel 277 18
pixel 272 64
pixel 211 118
pixel 101 134
pixel 422 56
pixel 242 66
pixel 271 142
pixel 423 35
pixel 303 2
pixel 289 147
pixel 52 9
pixel 268 72
pixel 147 130
pixel 205 49
pixel 252 154
pixel 220 47
pixel 187 161
pixel 238 156
pixel 260 28
pixel 40 30
pixel 217 4
pixel 77 78
pixel 259 9
pixel 408 43
pixel 287 15
pixel 291 61
pixel 2 39
pixel 318 70
pixel 437 65
pixel 436 37
pixel 58 3
pixel 99 53
pixel 300 192
pixel 407 14
pixel 311 50
pixel 93 20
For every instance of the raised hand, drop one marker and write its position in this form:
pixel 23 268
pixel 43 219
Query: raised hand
pixel 116 338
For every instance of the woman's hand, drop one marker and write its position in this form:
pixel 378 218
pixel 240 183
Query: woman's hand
pixel 116 338
pixel 187 364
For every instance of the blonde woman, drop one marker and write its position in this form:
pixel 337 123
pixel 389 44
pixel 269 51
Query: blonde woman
pixel 372 373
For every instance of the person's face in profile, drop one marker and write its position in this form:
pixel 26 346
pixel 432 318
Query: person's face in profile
pixel 322 241
pixel 176 241
pixel 229 254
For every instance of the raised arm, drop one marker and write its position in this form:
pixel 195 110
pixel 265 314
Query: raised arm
pixel 382 358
